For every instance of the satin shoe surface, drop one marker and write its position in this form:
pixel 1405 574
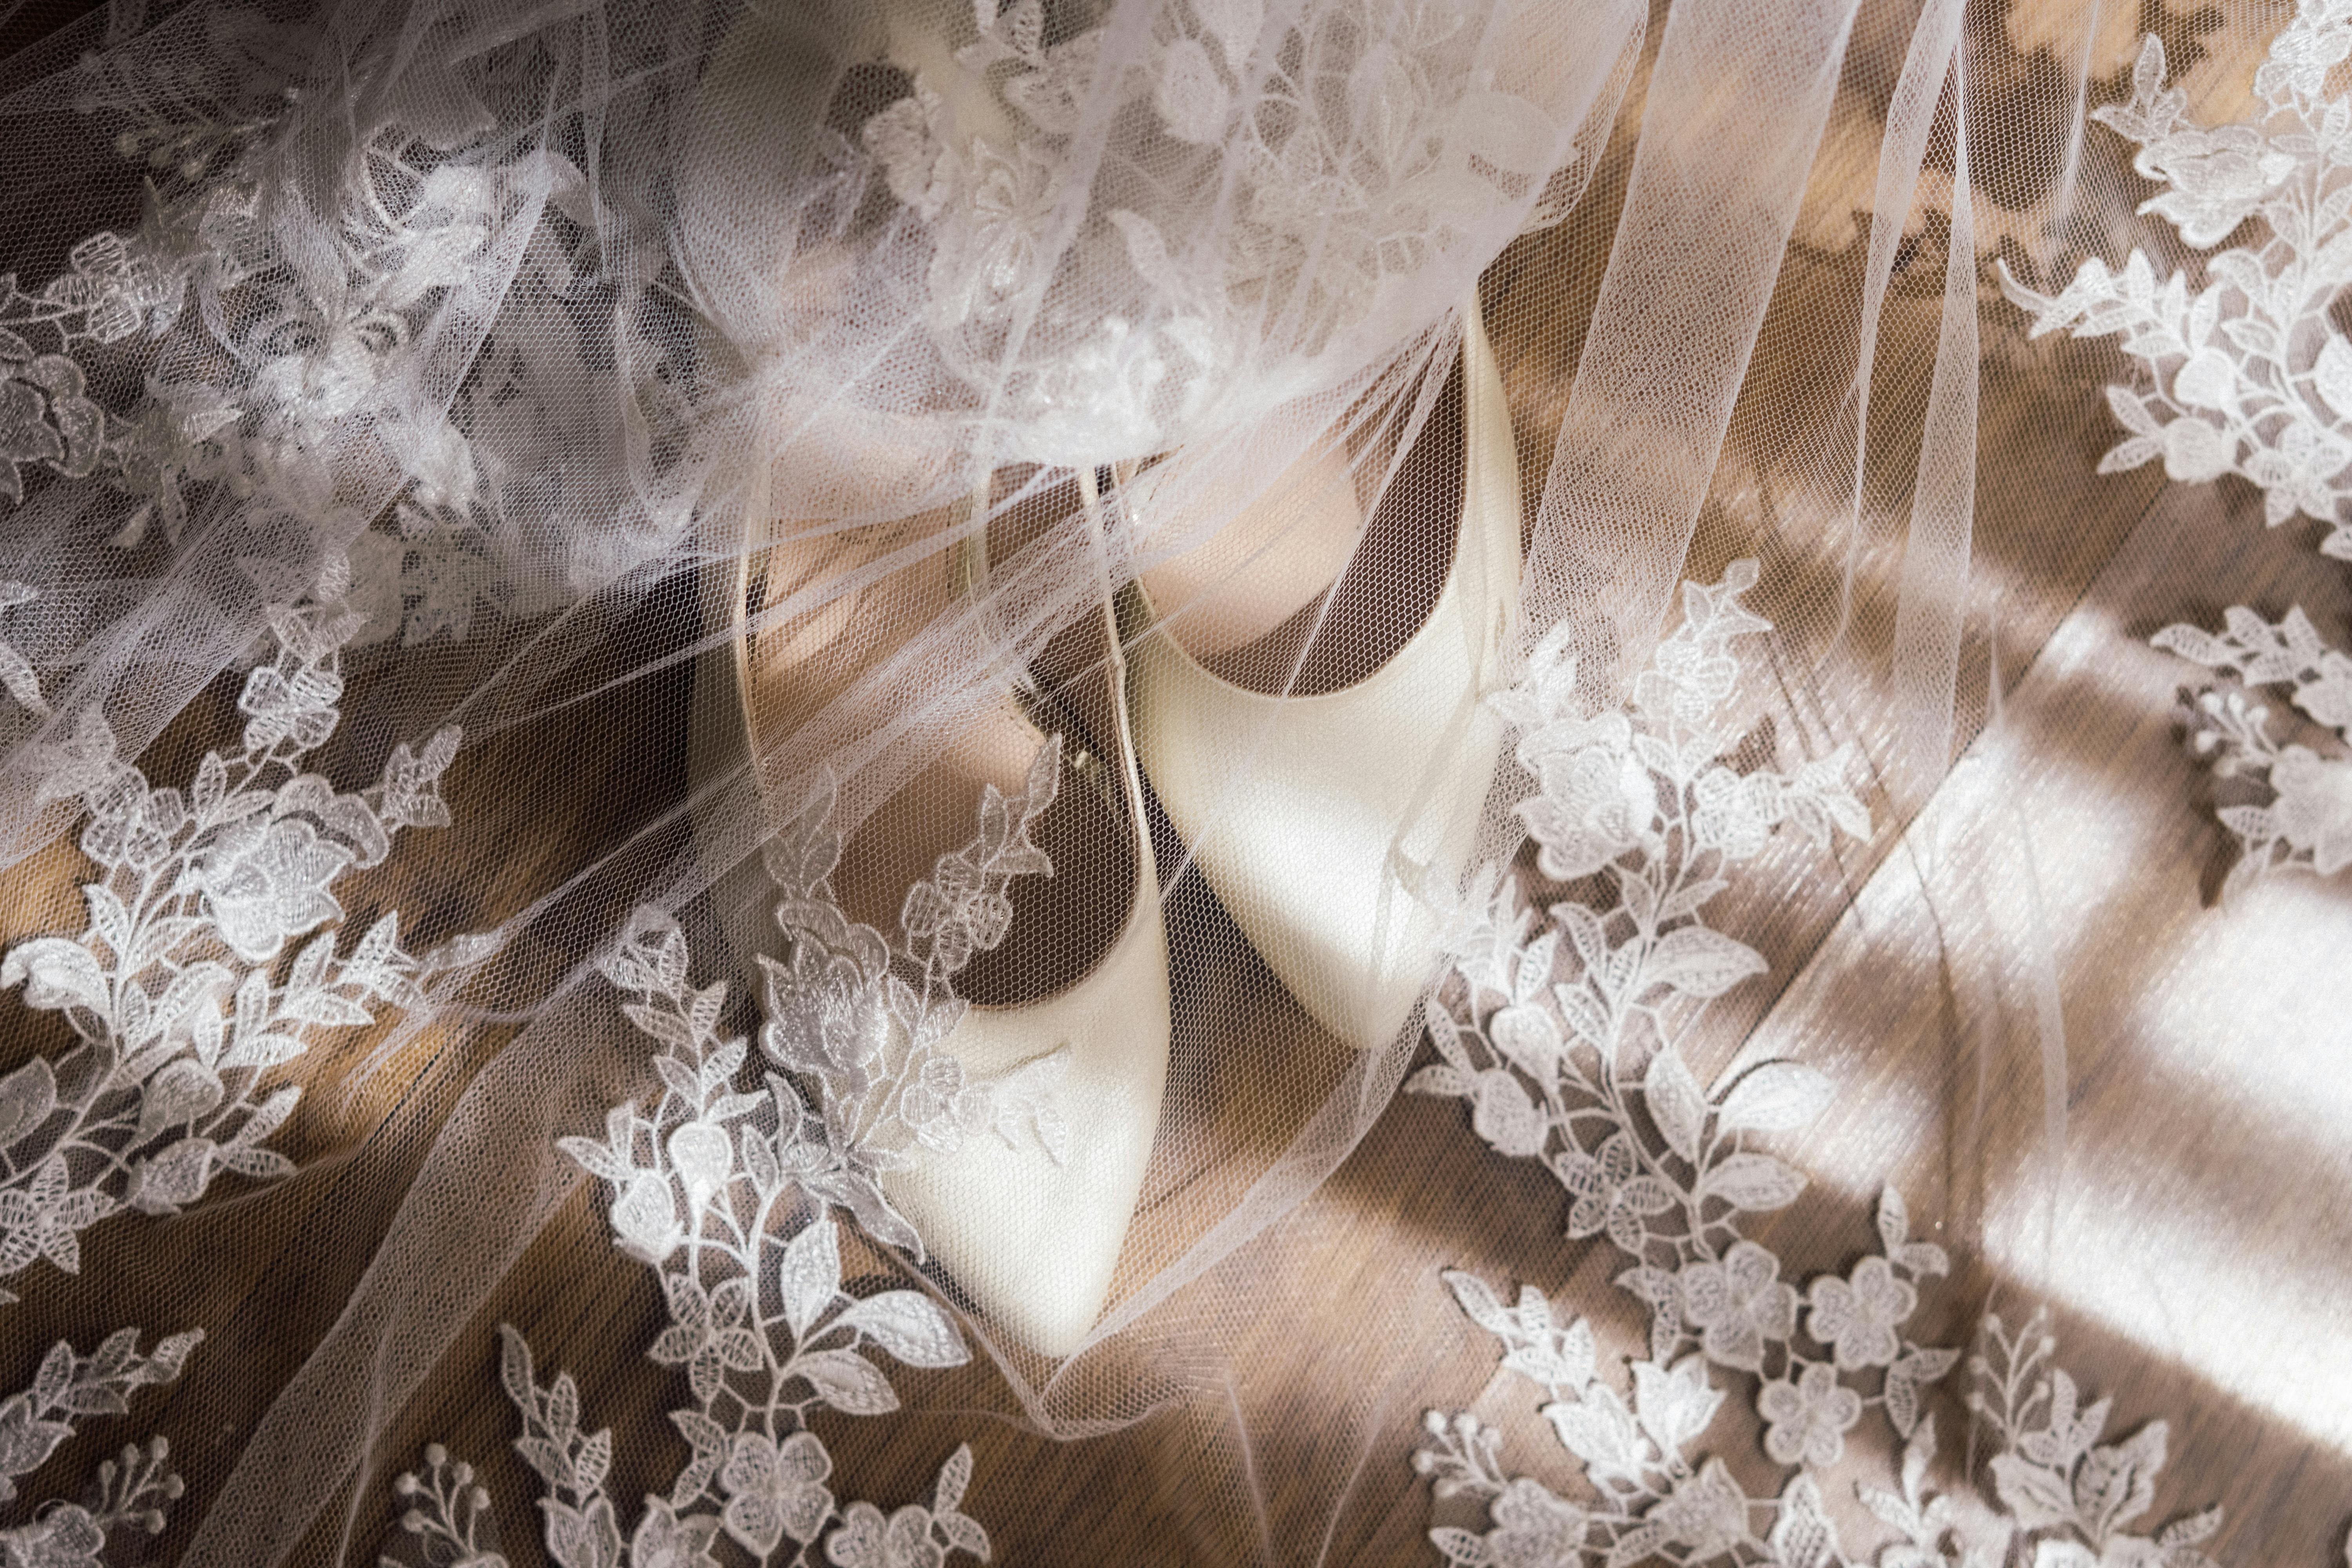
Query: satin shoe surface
pixel 1030 1242
pixel 1333 826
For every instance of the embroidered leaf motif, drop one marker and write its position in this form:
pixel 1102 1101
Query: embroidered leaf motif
pixel 134 1492
pixel 2248 375
pixel 2303 821
pixel 199 895
pixel 1551 1033
pixel 2051 1475
pixel 719 1188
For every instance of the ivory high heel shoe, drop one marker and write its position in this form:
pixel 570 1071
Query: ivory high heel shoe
pixel 1331 821
pixel 1031 1240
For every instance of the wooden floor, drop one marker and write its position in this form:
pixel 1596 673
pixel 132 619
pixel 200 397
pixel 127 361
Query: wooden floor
pixel 2197 1254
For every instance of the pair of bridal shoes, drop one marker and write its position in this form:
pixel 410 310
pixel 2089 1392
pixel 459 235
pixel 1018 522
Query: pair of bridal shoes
pixel 1323 763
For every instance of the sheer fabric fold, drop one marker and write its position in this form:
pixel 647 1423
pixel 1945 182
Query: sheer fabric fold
pixel 575 581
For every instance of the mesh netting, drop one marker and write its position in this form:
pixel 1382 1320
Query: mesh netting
pixel 848 685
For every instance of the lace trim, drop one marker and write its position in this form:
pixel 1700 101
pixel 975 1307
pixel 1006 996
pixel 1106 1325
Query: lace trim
pixel 1555 1032
pixel 2250 377
pixel 721 1185
pixel 173 991
pixel 133 1490
pixel 1317 218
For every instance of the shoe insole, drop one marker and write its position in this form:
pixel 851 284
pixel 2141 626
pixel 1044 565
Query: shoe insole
pixel 1299 595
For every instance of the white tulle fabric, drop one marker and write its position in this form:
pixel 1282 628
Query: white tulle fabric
pixel 388 395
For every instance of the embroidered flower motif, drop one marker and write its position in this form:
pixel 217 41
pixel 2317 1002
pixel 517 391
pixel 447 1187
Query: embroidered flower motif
pixel 1607 1192
pixel 1534 1529
pixel 1527 1035
pixel 911 140
pixel 992 250
pixel 266 883
pixel 664 1539
pixel 1741 1304
pixel 451 576
pixel 179 1021
pixel 1858 1317
pixel 828 1019
pixel 1809 1418
pixel 760 1303
pixel 958 912
pixel 865 1539
pixel 1699 668
pixel 644 1219
pixel 2307 821
pixel 703 1156
pixel 300 708
pixel 327 379
pixel 133 825
pixel 775 1490
pixel 1323 206
pixel 2195 451
pixel 1732 814
pixel 1502 1113
pixel 1562 999
pixel 1708 1512
pixel 2301 56
pixel 1597 799
pixel 2217 177
pixel 2313 811
pixel 2233 383
pixel 941 1108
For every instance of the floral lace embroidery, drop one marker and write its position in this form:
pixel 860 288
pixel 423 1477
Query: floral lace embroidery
pixel 16 673
pixel 171 992
pixel 2070 1496
pixel 133 1490
pixel 326 334
pixel 1585 1013
pixel 2064 1499
pixel 1552 1037
pixel 718 1189
pixel 869 1038
pixel 2251 378
pixel 1320 215
pixel 2307 822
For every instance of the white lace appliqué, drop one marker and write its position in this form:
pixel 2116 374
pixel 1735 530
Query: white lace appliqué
pixel 321 321
pixel 2250 377
pixel 1563 1039
pixel 1554 1035
pixel 133 1490
pixel 713 1190
pixel 2305 824
pixel 179 993
pixel 2061 1497
pixel 866 1033
pixel 722 1186
pixel 1322 214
